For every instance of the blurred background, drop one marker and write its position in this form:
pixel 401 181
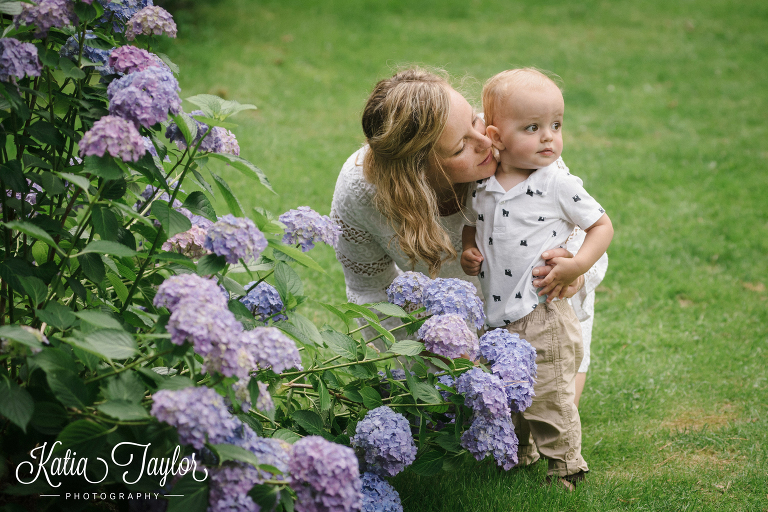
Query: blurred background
pixel 666 110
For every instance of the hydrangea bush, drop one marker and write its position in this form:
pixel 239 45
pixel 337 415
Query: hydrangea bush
pixel 123 317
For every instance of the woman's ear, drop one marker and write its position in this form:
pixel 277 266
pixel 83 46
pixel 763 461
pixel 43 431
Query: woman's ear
pixel 493 133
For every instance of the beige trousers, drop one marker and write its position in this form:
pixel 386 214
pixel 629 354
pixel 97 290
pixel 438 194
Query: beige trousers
pixel 551 425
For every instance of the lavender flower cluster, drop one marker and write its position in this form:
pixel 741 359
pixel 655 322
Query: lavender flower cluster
pixel 17 59
pixel 198 413
pixel 190 243
pixel 264 300
pixel 448 336
pixel 407 290
pixel 514 361
pixel 120 12
pixel 269 347
pixel 379 495
pixel 235 238
pixel 113 135
pixel 145 97
pixel 128 59
pixel 452 295
pixel 325 476
pixel 305 227
pixel 384 437
pixel 484 393
pixel 219 140
pixel 45 15
pixel 150 20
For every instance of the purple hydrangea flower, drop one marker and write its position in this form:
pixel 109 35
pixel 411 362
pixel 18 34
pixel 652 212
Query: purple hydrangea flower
pixel 325 476
pixel 198 413
pixel 120 12
pixel 150 20
pixel 189 243
pixel 484 393
pixel 448 336
pixel 264 402
pixel 176 288
pixel 379 495
pixel 305 226
pixel 145 97
pixel 206 326
pixel 128 59
pixel 71 50
pixel 17 59
pixel 46 14
pixel 407 290
pixel 492 436
pixel 219 140
pixel 384 436
pixel 264 301
pixel 452 295
pixel 31 196
pixel 235 238
pixel 514 361
pixel 445 380
pixel 271 348
pixel 113 135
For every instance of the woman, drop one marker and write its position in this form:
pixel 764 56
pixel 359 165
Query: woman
pixel 400 199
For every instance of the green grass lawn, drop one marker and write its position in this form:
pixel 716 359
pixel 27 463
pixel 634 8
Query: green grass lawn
pixel 665 123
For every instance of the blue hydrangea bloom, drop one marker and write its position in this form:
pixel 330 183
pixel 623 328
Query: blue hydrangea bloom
pixel 492 436
pixel 452 295
pixel 514 361
pixel 448 336
pixel 235 238
pixel 269 347
pixel 219 140
pixel 305 226
pixel 145 97
pixel 445 380
pixel 71 50
pixel 264 301
pixel 379 495
pixel 384 436
pixel 176 288
pixel 120 12
pixel 484 393
pixel 325 476
pixel 198 413
pixel 17 60
pixel 128 59
pixel 407 290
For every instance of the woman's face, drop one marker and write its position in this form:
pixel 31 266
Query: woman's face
pixel 463 150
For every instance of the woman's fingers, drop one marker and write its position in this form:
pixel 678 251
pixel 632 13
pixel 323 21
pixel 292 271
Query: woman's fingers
pixel 556 253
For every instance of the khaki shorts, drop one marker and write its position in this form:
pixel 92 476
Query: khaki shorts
pixel 551 425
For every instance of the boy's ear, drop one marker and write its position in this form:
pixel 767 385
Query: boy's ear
pixel 493 134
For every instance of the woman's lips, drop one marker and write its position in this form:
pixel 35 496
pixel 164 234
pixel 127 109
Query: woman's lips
pixel 488 158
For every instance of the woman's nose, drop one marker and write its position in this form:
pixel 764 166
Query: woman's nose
pixel 483 142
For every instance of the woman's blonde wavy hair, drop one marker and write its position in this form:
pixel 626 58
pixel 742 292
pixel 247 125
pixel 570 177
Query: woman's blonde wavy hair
pixel 403 119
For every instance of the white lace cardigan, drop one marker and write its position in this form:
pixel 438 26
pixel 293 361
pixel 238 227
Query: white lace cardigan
pixel 371 256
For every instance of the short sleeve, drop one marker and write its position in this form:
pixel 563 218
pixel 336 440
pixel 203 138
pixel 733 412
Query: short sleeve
pixel 576 205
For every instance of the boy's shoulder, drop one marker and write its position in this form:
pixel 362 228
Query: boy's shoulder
pixel 544 180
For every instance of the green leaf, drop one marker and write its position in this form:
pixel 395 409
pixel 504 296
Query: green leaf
pixel 70 69
pixel 439 363
pixel 229 197
pixel 214 122
pixel 173 222
pixel 424 392
pixel 296 254
pixel 99 319
pixel 80 181
pixel 325 397
pixel 175 257
pixel 103 166
pixel 107 247
pixel 383 331
pixel 57 315
pixel 52 184
pixel 371 397
pixel 407 348
pixel 33 231
pixel 197 202
pixel 340 344
pixel 112 344
pixel 428 464
pixel 448 442
pixel 93 267
pixel 54 360
pixel 287 280
pixel 120 289
pixel 34 287
pixel 306 327
pixel 13 8
pixel 265 496
pixel 362 311
pixel 231 452
pixel 124 411
pixel 177 382
pixel 16 404
pixel 105 223
pixel 309 421
pixel 189 495
pixel 68 388
pixel 211 264
pixel 245 167
pixel 286 435
pixel 460 364
pixel 219 108
pixel 125 387
pixel 390 309
pixel 46 133
pixel 19 335
pixel 85 437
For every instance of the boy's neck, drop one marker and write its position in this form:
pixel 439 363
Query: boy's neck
pixel 509 176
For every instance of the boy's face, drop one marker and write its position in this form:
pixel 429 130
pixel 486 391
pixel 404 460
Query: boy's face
pixel 529 126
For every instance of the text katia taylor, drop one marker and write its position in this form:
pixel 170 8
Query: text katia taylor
pixel 70 465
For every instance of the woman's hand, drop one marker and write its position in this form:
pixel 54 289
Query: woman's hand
pixel 540 272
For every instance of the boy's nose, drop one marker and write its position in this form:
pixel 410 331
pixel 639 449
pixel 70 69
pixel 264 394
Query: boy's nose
pixel 546 134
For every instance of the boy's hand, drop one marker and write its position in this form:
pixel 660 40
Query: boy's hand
pixel 556 283
pixel 471 260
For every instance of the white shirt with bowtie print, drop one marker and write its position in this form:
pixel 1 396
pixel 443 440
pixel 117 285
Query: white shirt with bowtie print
pixel 514 227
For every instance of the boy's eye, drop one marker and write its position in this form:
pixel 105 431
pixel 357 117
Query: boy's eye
pixel 556 125
pixel 531 128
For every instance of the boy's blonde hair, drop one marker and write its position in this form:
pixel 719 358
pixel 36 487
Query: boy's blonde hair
pixel 499 86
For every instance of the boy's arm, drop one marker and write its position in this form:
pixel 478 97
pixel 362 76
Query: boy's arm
pixel 566 270
pixel 471 259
